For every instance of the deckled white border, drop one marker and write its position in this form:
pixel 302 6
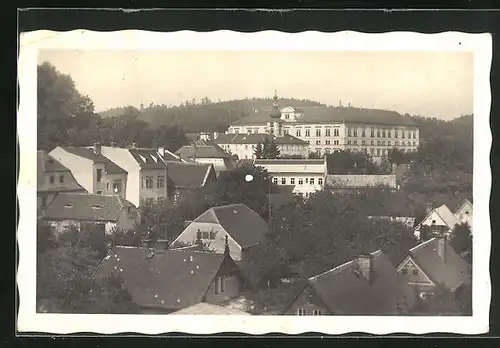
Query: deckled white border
pixel 30 43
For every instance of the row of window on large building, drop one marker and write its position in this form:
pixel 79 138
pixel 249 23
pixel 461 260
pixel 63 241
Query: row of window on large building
pixel 299 181
pixel 351 132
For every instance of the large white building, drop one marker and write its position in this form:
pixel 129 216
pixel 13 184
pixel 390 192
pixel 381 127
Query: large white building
pixel 327 129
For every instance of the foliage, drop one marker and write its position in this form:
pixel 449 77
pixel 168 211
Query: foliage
pixel 444 302
pixel 65 267
pixel 346 162
pixel 461 241
pixel 267 150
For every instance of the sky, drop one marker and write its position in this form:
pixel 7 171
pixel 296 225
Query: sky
pixel 427 83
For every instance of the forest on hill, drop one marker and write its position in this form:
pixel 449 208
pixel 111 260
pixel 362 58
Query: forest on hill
pixel 204 115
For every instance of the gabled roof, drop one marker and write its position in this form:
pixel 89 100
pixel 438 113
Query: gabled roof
pixel 47 164
pixel 204 308
pixel 452 271
pixel 344 291
pixel 444 213
pixel 88 153
pixel 256 138
pixel 188 175
pixel 148 158
pixel 243 224
pixel 324 114
pixel 202 149
pixel 466 202
pixel 360 181
pixel 288 161
pixel 174 279
pixel 87 207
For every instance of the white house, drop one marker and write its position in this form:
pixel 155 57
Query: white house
pixel 306 175
pixel 441 217
pixel 464 213
pixel 243 226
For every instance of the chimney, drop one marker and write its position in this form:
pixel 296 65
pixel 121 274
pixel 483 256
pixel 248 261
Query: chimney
pixel 226 247
pixel 429 208
pixel 134 145
pixel 215 135
pixel 146 243
pixel 97 148
pixel 441 240
pixel 204 136
pixel 161 246
pixel 112 144
pixel 394 167
pixel 193 150
pixel 161 151
pixel 365 263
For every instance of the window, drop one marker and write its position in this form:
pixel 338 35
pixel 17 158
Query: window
pixel 160 199
pixel 297 132
pixel 385 133
pixel 286 116
pixel 389 133
pixel 327 142
pixel 219 285
pixel 107 186
pixel 378 133
pixel 149 182
pixel 363 134
pixel 212 235
pixel 99 175
pixel 349 132
pixel 61 179
pixel 292 181
pixel 320 181
pixel 99 192
pixel 388 143
pixel 327 132
pixel 285 131
pixel 198 234
pixel 348 142
pixel 51 179
pixel 44 201
pixel 318 142
pixel 301 181
pixel 372 150
pixel 311 181
pixel 404 271
pixel 317 312
pixel 204 235
pixel 404 134
pixel 308 132
pixel 301 311
pixel 335 142
pixel 275 181
pixel 318 132
pixel 283 181
pixel 160 181
pixel 246 147
pixel 414 271
pixel 362 142
pixel 117 186
pixel 372 133
pixel 396 143
pixel 336 132
pixel 355 142
pixel 327 151
pixel 355 132
pixel 378 152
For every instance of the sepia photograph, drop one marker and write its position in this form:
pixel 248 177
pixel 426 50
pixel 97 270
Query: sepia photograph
pixel 332 176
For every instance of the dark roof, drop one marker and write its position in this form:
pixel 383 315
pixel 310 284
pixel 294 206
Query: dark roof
pixel 202 149
pixel 451 273
pixel 255 138
pixel 47 164
pixel 188 175
pixel 288 161
pixel 148 158
pixel 243 224
pixel 88 207
pixel 88 153
pixel 324 114
pixel 346 292
pixel 173 279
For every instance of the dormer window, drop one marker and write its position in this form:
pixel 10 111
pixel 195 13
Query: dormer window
pixel 68 206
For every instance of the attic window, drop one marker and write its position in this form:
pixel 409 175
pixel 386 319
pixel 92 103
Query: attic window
pixel 68 206
pixel 154 158
pixel 235 212
pixel 96 207
pixel 142 158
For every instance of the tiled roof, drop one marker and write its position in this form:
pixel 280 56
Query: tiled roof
pixel 47 164
pixel 346 292
pixel 88 153
pixel 323 114
pixel 172 279
pixel 188 175
pixel 255 138
pixel 148 158
pixel 243 224
pixel 446 214
pixel 451 272
pixel 290 161
pixel 88 207
pixel 202 150
pixel 358 181
pixel 204 308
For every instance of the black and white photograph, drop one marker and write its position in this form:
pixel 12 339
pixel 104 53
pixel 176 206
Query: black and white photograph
pixel 215 177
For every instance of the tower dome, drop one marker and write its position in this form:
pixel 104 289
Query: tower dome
pixel 275 112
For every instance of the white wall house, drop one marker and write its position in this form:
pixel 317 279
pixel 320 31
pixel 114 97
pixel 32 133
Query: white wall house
pixel 440 217
pixel 464 213
pixel 306 175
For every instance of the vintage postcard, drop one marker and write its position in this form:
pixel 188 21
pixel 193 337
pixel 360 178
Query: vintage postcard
pixel 258 183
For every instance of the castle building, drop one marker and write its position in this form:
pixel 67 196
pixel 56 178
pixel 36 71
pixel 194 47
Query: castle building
pixel 327 129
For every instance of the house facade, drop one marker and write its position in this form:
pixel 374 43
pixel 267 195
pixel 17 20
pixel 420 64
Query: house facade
pixel 186 178
pixel 244 145
pixel 440 217
pixel 163 281
pixel 104 213
pixel 306 175
pixel 52 179
pixel 243 227
pixel 328 129
pixel 367 285
pixel 96 173
pixel 146 172
pixel 434 263
pixel 464 213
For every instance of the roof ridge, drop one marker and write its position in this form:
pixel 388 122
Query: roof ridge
pixel 416 247
pixel 337 268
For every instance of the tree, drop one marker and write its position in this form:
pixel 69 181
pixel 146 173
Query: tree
pixel 267 149
pixel 259 151
pixel 461 241
pixel 396 156
pixel 346 162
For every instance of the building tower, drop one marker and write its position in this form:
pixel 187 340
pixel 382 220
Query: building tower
pixel 274 124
